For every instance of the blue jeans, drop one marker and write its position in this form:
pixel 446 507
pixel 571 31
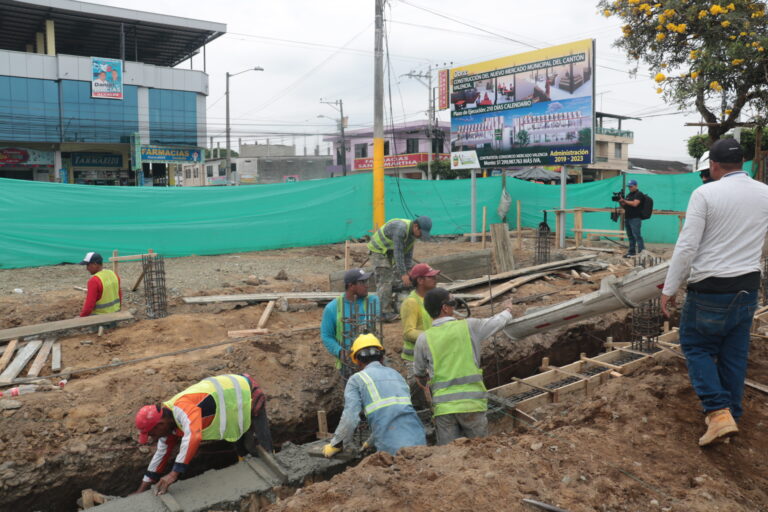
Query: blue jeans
pixel 633 232
pixel 714 336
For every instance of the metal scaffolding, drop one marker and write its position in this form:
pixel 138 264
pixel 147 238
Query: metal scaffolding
pixel 153 267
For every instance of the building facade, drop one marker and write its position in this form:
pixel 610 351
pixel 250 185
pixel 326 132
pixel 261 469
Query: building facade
pixel 262 164
pixel 405 146
pixel 126 117
pixel 611 149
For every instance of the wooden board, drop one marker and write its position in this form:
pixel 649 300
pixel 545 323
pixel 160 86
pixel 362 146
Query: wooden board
pixel 56 357
pixel 18 364
pixel 244 333
pixel 62 325
pixel 519 272
pixel 265 315
pixel 39 361
pixel 8 354
pixel 463 265
pixel 501 289
pixel 502 249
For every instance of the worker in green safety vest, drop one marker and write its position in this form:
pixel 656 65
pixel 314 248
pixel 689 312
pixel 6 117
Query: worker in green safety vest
pixel 447 358
pixel 391 254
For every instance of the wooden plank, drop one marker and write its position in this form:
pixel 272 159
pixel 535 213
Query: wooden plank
pixel 754 385
pixel 502 250
pixel 519 272
pixel 601 363
pixel 346 255
pixel 9 350
pixel 265 315
pixel 114 260
pixel 18 364
pixel 519 227
pixel 246 332
pixel 322 425
pixel 485 219
pixel 138 281
pixel 56 357
pixel 501 289
pixel 62 325
pixel 39 361
pixel 132 257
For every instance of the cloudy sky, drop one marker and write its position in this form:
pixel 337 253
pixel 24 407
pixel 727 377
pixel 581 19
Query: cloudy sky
pixel 324 49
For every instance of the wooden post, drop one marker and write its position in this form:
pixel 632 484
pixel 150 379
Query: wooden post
pixel 265 315
pixel 8 354
pixel 578 225
pixel 609 343
pixel 114 262
pixel 544 364
pixel 346 254
pixel 322 425
pixel 519 228
pixel 485 214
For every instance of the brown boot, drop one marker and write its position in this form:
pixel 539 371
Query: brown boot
pixel 720 425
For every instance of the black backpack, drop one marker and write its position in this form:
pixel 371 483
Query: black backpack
pixel 646 207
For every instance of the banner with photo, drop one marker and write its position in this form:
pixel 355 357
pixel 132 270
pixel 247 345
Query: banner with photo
pixel 106 78
pixel 534 108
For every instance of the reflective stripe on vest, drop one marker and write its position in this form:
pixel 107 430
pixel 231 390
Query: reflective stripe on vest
pixel 232 394
pixel 376 401
pixel 381 244
pixel 109 302
pixel 426 323
pixel 457 384
pixel 340 321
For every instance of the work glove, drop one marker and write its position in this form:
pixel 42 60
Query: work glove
pixel 329 450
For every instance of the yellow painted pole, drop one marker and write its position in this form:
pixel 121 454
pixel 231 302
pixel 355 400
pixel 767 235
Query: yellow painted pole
pixel 378 183
pixel 378 118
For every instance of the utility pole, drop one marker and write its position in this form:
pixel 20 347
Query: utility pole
pixel 378 118
pixel 343 159
pixel 430 111
pixel 226 93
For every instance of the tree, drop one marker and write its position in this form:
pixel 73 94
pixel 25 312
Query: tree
pixel 697 145
pixel 585 137
pixel 443 169
pixel 523 138
pixel 703 54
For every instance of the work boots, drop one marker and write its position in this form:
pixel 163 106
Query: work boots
pixel 720 424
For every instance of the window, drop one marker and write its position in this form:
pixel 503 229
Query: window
pixel 223 170
pixel 412 145
pixel 361 150
pixel 187 173
pixel 196 173
pixel 386 147
pixel 233 167
pixel 209 171
pixel 617 151
pixel 172 117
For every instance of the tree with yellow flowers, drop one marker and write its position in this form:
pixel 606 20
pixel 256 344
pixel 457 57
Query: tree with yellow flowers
pixel 703 54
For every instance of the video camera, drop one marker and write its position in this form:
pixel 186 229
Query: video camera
pixel 617 196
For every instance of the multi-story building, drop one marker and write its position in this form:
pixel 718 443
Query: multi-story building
pixel 405 146
pixel 611 149
pixel 91 94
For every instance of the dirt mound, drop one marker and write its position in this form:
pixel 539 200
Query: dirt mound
pixel 632 446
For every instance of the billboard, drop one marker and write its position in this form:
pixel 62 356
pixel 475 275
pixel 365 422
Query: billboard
pixel 398 161
pixel 106 78
pixel 534 108
pixel 151 153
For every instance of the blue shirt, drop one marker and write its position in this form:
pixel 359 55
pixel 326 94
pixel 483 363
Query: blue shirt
pixel 393 426
pixel 328 324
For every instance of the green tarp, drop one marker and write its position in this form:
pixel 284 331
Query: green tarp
pixel 51 223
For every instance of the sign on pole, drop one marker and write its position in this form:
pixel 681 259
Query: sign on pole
pixel 534 108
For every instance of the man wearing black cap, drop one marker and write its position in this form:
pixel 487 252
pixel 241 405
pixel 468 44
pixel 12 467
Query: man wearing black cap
pixel 104 293
pixel 391 254
pixel 356 307
pixel 718 253
pixel 633 220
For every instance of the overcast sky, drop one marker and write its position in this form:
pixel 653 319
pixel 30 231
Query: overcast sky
pixel 312 49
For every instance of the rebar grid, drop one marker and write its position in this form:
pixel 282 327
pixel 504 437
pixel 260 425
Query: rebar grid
pixel 354 325
pixel 153 266
pixel 646 317
pixel 543 243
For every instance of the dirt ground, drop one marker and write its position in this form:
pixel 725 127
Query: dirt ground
pixel 82 436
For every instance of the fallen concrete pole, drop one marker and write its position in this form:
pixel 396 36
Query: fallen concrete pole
pixel 614 293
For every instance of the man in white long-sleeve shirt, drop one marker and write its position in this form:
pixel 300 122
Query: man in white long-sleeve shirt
pixel 718 253
pixel 448 356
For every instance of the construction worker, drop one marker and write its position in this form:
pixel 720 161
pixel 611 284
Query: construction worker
pixel 336 329
pixel 225 407
pixel 391 250
pixel 382 394
pixel 104 293
pixel 447 358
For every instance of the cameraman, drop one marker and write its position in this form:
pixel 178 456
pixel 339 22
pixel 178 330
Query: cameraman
pixel 633 218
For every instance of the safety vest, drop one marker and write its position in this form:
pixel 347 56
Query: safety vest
pixel 110 293
pixel 232 394
pixel 457 384
pixel 425 323
pixel 381 244
pixel 377 402
pixel 340 321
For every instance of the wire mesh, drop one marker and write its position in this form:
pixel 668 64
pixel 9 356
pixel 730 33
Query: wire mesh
pixel 543 242
pixel 355 324
pixel 153 266
pixel 647 319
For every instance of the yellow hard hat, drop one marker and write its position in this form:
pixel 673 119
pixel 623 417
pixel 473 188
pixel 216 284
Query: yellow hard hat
pixel 364 341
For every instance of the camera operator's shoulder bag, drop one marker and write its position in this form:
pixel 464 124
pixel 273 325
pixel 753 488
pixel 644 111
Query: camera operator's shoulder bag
pixel 646 207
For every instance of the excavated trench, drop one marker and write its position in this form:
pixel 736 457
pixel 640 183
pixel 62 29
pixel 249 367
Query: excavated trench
pixel 120 473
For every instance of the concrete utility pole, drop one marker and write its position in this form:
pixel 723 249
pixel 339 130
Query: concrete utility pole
pixel 378 118
pixel 343 159
pixel 430 111
pixel 226 93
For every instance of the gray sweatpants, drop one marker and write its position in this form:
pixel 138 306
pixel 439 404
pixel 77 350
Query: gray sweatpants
pixel 464 424
pixel 382 270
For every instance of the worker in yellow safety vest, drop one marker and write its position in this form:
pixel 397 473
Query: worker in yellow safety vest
pixel 104 293
pixel 391 255
pixel 447 358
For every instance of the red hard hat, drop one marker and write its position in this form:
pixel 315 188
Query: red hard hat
pixel 146 419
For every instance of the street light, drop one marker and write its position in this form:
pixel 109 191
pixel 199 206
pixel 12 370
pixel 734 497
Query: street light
pixel 229 153
pixel 338 105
